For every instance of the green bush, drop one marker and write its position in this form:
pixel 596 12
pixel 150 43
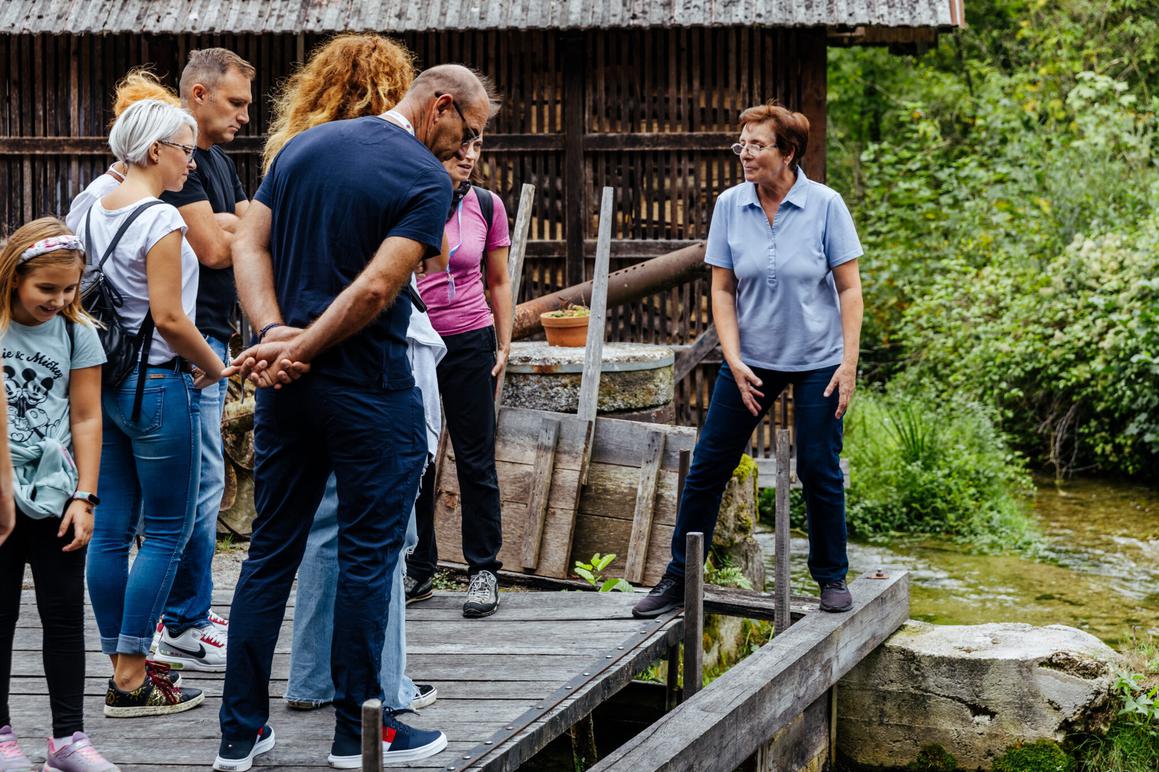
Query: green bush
pixel 1005 186
pixel 919 466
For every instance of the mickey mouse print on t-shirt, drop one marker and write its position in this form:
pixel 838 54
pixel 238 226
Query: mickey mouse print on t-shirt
pixel 26 393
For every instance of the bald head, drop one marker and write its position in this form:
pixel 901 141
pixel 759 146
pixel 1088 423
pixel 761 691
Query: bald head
pixel 472 91
pixel 449 107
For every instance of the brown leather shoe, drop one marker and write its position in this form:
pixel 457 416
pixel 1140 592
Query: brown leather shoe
pixel 835 597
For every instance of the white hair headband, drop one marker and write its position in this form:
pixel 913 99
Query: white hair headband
pixel 51 244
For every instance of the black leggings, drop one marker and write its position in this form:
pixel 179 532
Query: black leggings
pixel 59 581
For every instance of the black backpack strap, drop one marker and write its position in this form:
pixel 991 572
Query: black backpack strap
pixel 145 341
pixel 487 208
pixel 486 205
pixel 133 215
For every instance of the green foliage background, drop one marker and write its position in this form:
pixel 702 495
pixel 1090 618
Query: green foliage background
pixel 1005 185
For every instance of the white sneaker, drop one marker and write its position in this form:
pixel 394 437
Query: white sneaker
pixel 221 623
pixel 198 648
pixel 157 636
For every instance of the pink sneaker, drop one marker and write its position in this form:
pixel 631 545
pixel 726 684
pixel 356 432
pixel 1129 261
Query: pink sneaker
pixel 12 759
pixel 77 756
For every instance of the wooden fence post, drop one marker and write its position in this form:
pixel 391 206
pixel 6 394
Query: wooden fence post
pixel 372 736
pixel 693 613
pixel 781 618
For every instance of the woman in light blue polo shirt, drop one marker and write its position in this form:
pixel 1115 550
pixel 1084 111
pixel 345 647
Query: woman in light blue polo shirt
pixel 786 301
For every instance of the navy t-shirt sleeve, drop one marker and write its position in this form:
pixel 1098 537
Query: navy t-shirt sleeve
pixel 238 190
pixel 193 192
pixel 425 212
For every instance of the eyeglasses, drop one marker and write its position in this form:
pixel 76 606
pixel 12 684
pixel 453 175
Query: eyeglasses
pixel 753 147
pixel 468 139
pixel 187 149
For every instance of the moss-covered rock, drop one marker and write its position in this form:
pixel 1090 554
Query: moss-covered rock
pixel 933 758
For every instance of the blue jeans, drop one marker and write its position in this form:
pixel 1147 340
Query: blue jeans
pixel 148 472
pixel 310 679
pixel 374 442
pixel 192 591
pixel 723 438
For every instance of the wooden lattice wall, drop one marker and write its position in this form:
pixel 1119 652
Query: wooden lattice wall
pixel 649 112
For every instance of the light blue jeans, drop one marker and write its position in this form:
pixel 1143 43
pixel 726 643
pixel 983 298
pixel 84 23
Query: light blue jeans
pixel 148 473
pixel 192 591
pixel 310 679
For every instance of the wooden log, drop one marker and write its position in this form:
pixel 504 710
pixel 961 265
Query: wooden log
pixel 645 506
pixel 781 577
pixel 693 613
pixel 372 736
pixel 725 723
pixel 540 488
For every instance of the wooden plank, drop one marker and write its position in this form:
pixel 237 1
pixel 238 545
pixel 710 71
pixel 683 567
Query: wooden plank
pixel 594 350
pixel 803 744
pixel 766 691
pixel 767 472
pixel 689 357
pixel 621 248
pixel 645 506
pixel 693 613
pixel 575 124
pixel 750 604
pixel 515 270
pixel 540 487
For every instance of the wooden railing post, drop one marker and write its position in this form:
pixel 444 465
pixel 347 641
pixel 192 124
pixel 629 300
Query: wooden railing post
pixel 781 618
pixel 372 736
pixel 693 613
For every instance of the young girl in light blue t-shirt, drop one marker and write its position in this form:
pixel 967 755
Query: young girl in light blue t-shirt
pixel 52 376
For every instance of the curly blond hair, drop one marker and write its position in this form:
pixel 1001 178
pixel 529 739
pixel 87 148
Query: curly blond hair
pixel 349 76
pixel 140 83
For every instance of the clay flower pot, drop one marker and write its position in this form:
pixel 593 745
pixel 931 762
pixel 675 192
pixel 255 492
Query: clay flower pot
pixel 565 330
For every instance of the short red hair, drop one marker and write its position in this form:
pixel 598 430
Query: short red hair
pixel 790 129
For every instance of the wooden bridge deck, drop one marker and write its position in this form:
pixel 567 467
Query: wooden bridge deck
pixel 544 661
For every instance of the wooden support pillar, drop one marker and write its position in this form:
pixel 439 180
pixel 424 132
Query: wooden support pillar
pixel 693 613
pixel 671 688
pixel 781 618
pixel 372 736
pixel 574 179
pixel 814 84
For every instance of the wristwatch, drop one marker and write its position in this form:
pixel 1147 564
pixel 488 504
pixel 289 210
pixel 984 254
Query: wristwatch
pixel 91 498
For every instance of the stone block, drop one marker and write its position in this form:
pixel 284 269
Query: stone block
pixel 973 690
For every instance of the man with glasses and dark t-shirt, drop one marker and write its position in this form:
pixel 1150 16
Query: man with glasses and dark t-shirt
pixel 323 259
pixel 215 88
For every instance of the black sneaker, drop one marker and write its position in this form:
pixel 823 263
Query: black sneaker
pixel 238 756
pixel 665 596
pixel 482 595
pixel 835 597
pixel 156 697
pixel 427 694
pixel 416 590
pixel 400 743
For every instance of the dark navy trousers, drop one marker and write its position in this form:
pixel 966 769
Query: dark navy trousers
pixel 723 440
pixel 375 443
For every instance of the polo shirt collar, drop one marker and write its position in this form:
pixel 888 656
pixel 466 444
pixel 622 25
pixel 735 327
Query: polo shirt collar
pixel 798 194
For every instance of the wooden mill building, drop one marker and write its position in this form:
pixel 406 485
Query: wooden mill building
pixel 642 95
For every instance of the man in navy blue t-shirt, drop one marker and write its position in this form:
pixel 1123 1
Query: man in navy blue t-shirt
pixel 346 213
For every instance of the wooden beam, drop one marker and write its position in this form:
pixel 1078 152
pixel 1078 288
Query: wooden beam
pixel 540 488
pixel 814 85
pixel 621 248
pixel 693 613
pixel 594 351
pixel 574 177
pixel 725 723
pixel 750 604
pixel 689 357
pixel 645 504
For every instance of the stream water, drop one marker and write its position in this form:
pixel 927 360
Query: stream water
pixel 1100 573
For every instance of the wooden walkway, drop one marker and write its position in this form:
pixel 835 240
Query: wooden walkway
pixel 508 684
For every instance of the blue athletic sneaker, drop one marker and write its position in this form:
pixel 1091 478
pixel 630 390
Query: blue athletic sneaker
pixel 238 756
pixel 400 743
